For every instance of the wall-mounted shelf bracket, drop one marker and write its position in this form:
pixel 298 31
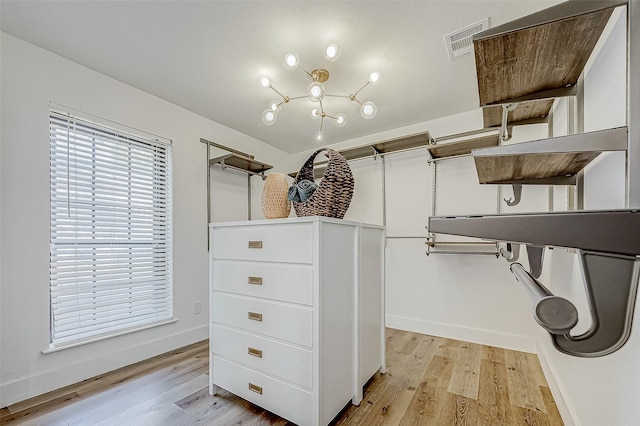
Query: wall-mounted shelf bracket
pixel 609 258
pixel 517 195
pixel 504 131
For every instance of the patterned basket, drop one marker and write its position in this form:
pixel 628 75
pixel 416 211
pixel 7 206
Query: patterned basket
pixel 333 196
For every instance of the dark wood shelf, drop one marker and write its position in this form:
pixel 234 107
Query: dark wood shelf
pixel 388 146
pixel 536 58
pixel 240 162
pixel 547 158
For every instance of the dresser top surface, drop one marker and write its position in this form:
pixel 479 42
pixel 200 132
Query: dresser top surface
pixel 289 220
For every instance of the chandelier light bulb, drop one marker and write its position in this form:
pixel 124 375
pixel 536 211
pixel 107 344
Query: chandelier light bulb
pixel 368 110
pixel 269 116
pixel 291 61
pixel 332 52
pixel 264 80
pixel 374 77
pixel 315 91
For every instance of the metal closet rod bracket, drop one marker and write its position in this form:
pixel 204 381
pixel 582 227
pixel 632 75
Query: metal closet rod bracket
pixel 610 281
pixel 608 250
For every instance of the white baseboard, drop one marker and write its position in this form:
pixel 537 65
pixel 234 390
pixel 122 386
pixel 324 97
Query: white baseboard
pixel 74 372
pixel 474 335
pixel 557 390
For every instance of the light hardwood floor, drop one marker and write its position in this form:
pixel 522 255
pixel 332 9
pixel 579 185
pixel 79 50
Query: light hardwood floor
pixel 429 381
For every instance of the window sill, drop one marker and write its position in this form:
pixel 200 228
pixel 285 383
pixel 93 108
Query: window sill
pixel 52 348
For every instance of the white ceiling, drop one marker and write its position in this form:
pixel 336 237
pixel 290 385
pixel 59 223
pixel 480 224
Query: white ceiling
pixel 205 55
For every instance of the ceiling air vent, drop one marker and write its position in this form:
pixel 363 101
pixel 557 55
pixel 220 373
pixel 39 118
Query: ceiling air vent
pixel 459 42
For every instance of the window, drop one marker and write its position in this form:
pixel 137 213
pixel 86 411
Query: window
pixel 111 237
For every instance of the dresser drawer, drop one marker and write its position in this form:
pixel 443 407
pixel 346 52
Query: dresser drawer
pixel 288 282
pixel 277 359
pixel 281 321
pixel 286 401
pixel 279 242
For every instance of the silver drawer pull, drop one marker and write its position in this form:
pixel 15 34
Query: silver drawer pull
pixel 255 244
pixel 255 280
pixel 255 388
pixel 255 316
pixel 255 352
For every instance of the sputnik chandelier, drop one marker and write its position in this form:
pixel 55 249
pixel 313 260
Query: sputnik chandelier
pixel 316 91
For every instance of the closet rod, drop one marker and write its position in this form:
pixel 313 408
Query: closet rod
pixel 555 314
pixel 492 253
pixel 465 243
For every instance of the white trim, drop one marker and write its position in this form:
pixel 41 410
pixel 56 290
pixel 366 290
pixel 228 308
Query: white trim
pixel 474 335
pixel 52 348
pixel 558 391
pixel 37 384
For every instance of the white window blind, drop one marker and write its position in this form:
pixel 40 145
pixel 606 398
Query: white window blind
pixel 111 236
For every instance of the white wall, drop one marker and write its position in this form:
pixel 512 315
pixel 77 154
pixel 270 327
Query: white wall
pixel 455 296
pixel 31 77
pixel 597 391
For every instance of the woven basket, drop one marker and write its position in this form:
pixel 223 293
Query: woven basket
pixel 333 196
pixel 274 197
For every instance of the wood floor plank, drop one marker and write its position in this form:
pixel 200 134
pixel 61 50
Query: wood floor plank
pixel 466 371
pixel 172 389
pixel 158 402
pixel 430 394
pixel 458 410
pixel 522 384
pixel 409 343
pixel 525 416
pixel 448 348
pixel 389 408
pixel 418 361
pixel 493 398
pixel 552 409
pixel 491 353
pixel 534 369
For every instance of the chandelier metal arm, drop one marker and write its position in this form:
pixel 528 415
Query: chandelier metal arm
pixel 276 90
pixel 306 72
pixel 323 64
pixel 360 89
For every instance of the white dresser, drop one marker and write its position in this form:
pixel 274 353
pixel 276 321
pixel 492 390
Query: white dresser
pixel 296 313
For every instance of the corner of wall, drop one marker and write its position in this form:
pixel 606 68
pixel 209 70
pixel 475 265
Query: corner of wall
pixel 558 391
pixel 475 335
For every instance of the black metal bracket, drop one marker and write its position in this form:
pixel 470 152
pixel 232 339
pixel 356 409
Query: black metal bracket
pixel 611 283
pixel 609 259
